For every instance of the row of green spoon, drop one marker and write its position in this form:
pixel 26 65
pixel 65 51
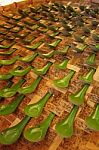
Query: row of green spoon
pixel 34 134
pixel 21 72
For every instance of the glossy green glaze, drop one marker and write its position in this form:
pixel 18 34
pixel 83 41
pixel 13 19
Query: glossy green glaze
pixel 8 52
pixel 81 49
pixel 78 97
pixel 5 76
pixel 12 134
pixel 35 110
pixel 92 121
pixel 35 134
pixel 9 92
pixel 97 46
pixel 18 72
pixel 53 34
pixel 9 62
pixel 64 82
pixel 8 75
pixel 6 46
pixel 64 50
pixel 89 76
pixel 11 107
pixel 65 127
pixel 43 70
pixel 62 65
pixel 43 30
pixel 28 58
pixel 25 41
pixel 53 28
pixel 9 84
pixel 54 44
pixel 31 88
pixel 47 55
pixel 35 46
pixel 91 59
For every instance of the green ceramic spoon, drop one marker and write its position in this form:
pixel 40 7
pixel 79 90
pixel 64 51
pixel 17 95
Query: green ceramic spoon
pixel 28 58
pixel 95 48
pixel 53 34
pixel 8 52
pixel 5 76
pixel 64 82
pixel 7 86
pixel 78 97
pixel 6 46
pixel 31 88
pixel 65 127
pixel 9 62
pixel 33 28
pixel 9 92
pixel 47 55
pixel 92 121
pixel 17 72
pixel 35 134
pixel 35 46
pixel 12 134
pixel 53 28
pixel 8 76
pixel 34 110
pixel 11 107
pixel 54 44
pixel 91 59
pixel 42 71
pixel 28 41
pixel 62 65
pixel 89 76
pixel 81 49
pixel 43 30
pixel 64 50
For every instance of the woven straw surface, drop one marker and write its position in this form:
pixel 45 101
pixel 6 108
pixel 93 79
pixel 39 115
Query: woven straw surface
pixel 83 138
